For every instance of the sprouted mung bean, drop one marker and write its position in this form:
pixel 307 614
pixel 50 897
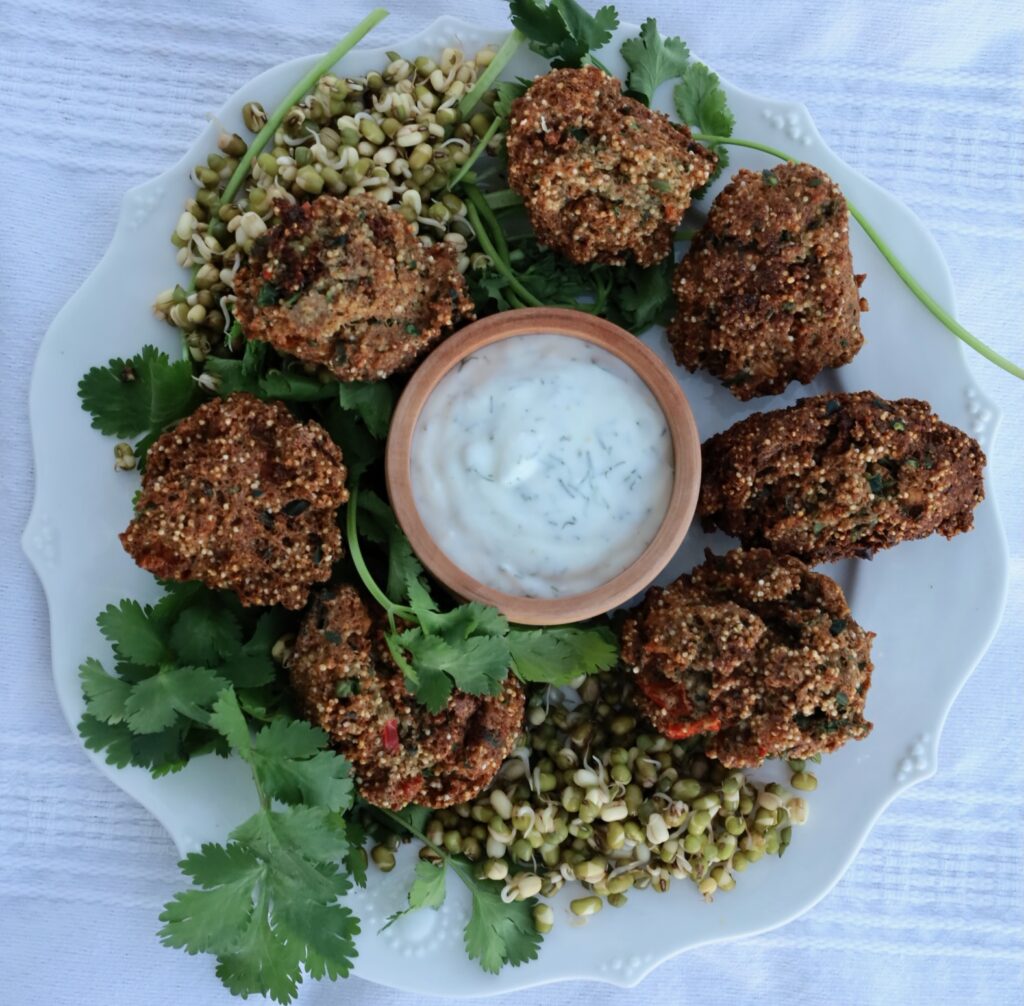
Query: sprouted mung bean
pixel 396 134
pixel 592 797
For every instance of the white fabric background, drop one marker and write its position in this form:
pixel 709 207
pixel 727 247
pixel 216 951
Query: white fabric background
pixel 926 98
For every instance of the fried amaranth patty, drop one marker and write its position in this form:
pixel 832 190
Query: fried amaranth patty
pixel 757 652
pixel 767 294
pixel 241 496
pixel 349 685
pixel 841 475
pixel 603 178
pixel 346 284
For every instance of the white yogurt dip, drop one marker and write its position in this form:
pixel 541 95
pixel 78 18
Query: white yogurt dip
pixel 542 466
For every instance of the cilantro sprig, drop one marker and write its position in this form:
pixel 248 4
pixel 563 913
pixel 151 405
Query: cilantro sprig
pixel 524 274
pixel 471 647
pixel 194 674
pixel 497 932
pixel 563 31
pixel 139 397
pixel 147 394
pixel 266 903
pixel 652 60
pixel 172 660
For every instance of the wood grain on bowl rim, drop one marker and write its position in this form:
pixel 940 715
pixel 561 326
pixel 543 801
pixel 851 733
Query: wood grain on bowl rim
pixel 685 451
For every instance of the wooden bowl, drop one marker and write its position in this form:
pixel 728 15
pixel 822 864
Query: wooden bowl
pixel 664 387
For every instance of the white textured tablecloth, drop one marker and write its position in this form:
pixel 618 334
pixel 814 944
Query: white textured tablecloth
pixel 926 98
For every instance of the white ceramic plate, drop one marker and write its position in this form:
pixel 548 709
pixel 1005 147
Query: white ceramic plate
pixel 934 604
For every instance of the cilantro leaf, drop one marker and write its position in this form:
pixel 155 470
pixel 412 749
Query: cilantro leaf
pixel 299 840
pixel 145 394
pixel 497 933
pixel 251 665
pixel 113 738
pixel 105 695
pixel 372 401
pixel 228 719
pixel 427 891
pixel 356 859
pixel 358 446
pixel 419 596
pixel 478 665
pixel 562 30
pixel 133 634
pixel 539 22
pixel 701 102
pixel 288 757
pixel 162 752
pixel 324 935
pixel 290 386
pixel 266 903
pixel 156 702
pixel 211 918
pixel 177 598
pixel 203 635
pixel 557 655
pixel 652 60
pixel 292 766
pixel 591 31
pixel 464 621
pixel 508 91
pixel 262 963
pixel 643 297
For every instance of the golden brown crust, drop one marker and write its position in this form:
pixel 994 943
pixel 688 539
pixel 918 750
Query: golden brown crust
pixel 766 294
pixel 243 497
pixel 603 178
pixel 843 475
pixel 346 284
pixel 349 685
pixel 756 651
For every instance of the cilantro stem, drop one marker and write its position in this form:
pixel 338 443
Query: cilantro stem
pixel 929 301
pixel 488 217
pixel 352 533
pixel 504 199
pixel 890 256
pixel 752 144
pixel 298 91
pixel 462 869
pixel 415 832
pixel 501 59
pixel 499 263
pixel 475 156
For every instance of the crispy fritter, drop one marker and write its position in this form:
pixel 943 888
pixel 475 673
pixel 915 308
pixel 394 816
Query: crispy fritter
pixel 767 293
pixel 243 497
pixel 346 284
pixel 754 650
pixel 603 178
pixel 349 685
pixel 841 475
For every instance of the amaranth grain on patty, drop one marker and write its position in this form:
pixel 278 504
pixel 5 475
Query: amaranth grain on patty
pixel 345 283
pixel 767 294
pixel 755 651
pixel 841 475
pixel 602 177
pixel 241 496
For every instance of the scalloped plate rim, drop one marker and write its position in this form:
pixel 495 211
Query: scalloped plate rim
pixel 944 292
